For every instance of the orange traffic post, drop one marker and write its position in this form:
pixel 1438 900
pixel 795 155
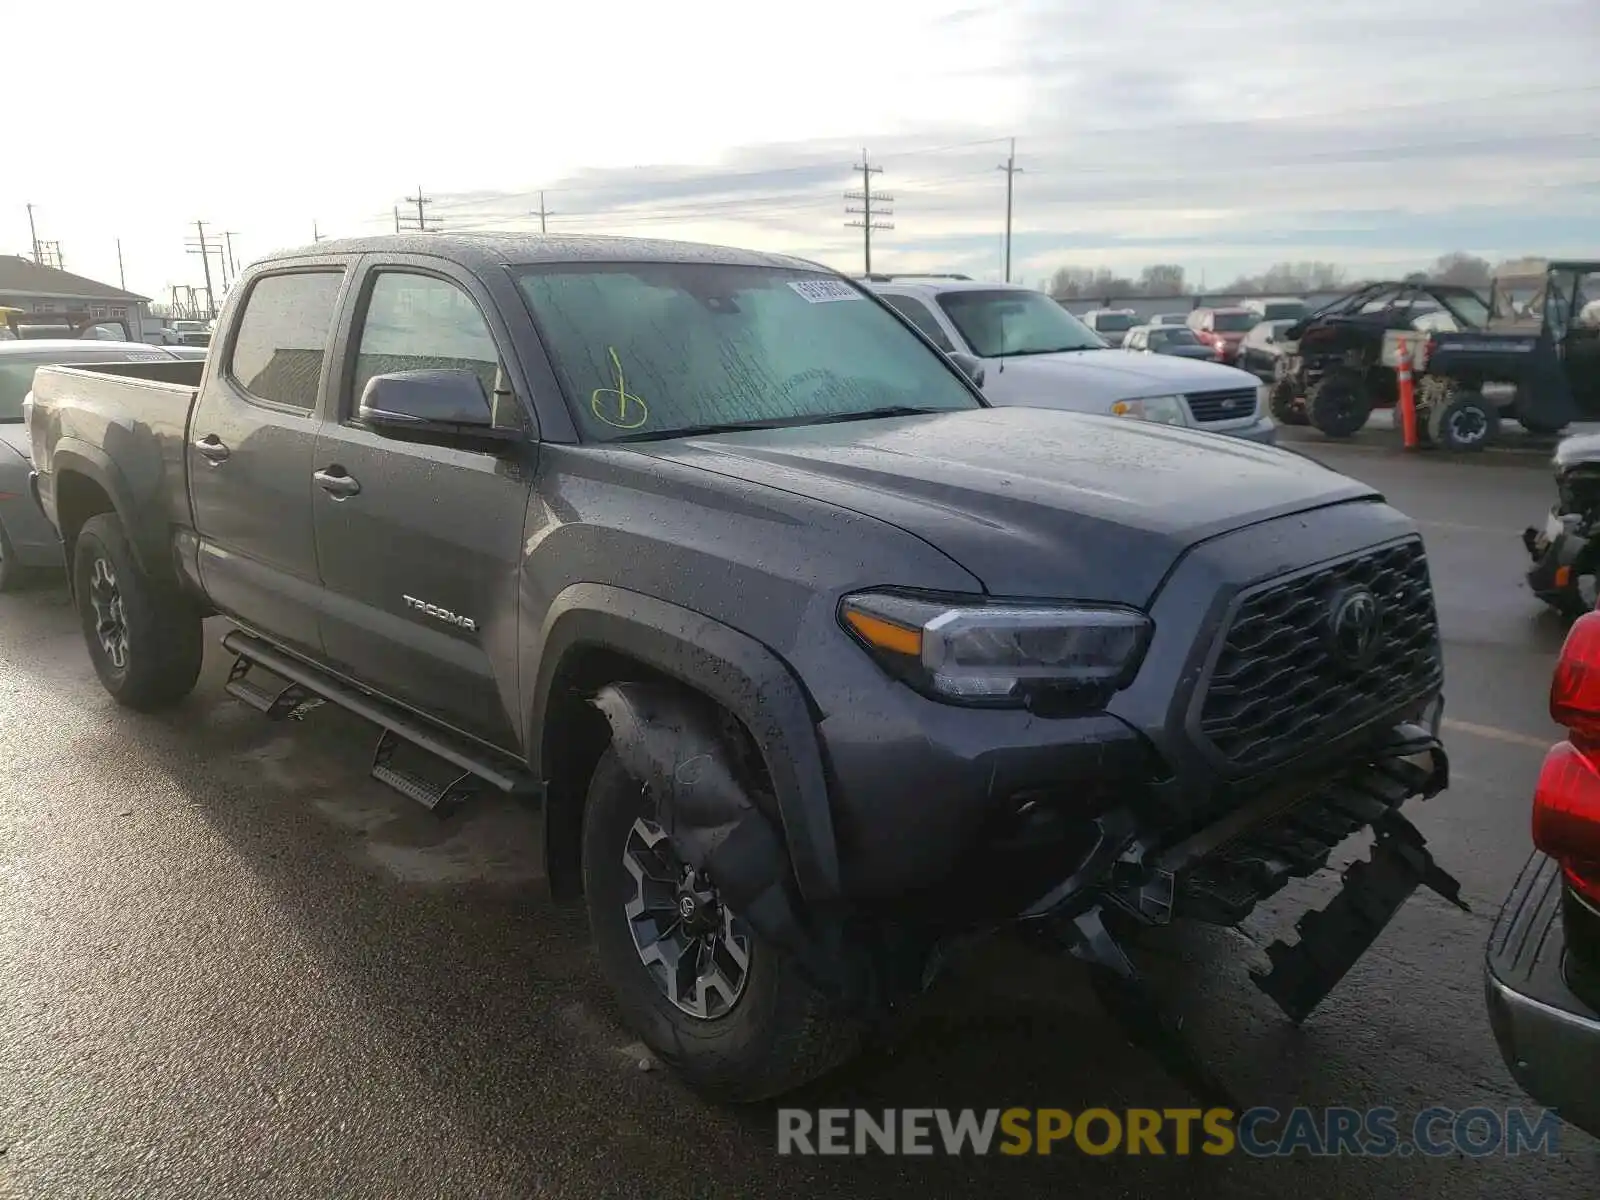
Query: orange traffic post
pixel 1407 398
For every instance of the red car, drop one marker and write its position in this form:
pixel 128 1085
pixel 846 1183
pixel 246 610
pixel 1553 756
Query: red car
pixel 1543 962
pixel 1223 329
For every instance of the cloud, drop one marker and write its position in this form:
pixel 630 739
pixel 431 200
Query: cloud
pixel 1223 136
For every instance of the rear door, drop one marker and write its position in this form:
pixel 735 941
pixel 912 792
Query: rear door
pixel 420 551
pixel 249 454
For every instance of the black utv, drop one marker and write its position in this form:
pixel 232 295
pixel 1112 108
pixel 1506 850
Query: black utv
pixel 1538 338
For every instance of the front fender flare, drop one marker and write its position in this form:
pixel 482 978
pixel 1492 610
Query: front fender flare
pixel 732 669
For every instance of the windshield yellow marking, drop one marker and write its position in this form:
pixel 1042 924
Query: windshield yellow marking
pixel 627 411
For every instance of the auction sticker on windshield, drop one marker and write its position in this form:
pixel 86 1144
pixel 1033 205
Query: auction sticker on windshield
pixel 823 291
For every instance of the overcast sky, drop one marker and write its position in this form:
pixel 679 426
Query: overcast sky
pixel 1220 136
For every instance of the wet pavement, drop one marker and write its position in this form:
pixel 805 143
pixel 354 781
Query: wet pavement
pixel 232 966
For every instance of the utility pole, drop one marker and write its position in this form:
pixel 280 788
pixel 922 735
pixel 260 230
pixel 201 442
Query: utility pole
pixel 122 278
pixel 316 234
pixel 233 263
pixel 421 219
pixel 867 211
pixel 541 212
pixel 397 218
pixel 33 234
pixel 1012 171
pixel 203 249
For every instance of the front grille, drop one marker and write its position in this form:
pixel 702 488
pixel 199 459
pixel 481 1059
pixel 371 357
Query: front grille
pixel 1230 405
pixel 1279 685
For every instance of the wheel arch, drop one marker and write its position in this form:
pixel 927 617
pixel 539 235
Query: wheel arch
pixel 88 483
pixel 596 634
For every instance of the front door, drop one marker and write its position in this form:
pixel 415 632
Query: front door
pixel 249 456
pixel 419 550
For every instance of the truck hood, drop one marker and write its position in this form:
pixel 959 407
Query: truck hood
pixel 1031 502
pixel 14 434
pixel 1092 380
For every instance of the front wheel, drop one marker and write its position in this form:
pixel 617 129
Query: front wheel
pixel 725 1010
pixel 1339 403
pixel 1284 405
pixel 144 638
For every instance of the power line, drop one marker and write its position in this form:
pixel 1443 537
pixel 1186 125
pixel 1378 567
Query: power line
pixel 1012 170
pixel 865 196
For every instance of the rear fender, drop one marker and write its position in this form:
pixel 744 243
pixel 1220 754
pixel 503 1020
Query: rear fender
pixel 147 539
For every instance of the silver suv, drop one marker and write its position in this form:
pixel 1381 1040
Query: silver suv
pixel 1036 354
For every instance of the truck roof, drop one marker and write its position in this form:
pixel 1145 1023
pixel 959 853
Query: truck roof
pixel 489 250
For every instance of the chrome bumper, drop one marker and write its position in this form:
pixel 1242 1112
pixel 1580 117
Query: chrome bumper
pixel 1549 1038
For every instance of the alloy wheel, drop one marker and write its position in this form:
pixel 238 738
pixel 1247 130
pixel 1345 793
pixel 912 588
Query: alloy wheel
pixel 694 947
pixel 111 627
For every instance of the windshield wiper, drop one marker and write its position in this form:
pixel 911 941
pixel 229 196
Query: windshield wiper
pixel 896 410
pixel 1052 350
pixel 869 414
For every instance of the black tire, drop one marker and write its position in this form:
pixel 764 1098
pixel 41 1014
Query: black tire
pixel 1529 420
pixel 1339 404
pixel 1284 405
pixel 157 628
pixel 778 1034
pixel 1464 422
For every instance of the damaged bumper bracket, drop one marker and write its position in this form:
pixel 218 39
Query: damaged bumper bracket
pixel 1333 938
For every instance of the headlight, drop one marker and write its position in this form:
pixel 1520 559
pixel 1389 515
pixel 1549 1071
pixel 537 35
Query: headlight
pixel 996 654
pixel 1164 410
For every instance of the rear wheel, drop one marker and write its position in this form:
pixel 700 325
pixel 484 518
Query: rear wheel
pixel 1339 404
pixel 144 638
pixel 724 1009
pixel 1532 421
pixel 1463 421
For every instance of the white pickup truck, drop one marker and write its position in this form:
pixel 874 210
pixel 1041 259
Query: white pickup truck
pixel 1036 354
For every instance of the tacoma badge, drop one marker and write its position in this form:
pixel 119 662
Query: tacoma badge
pixel 443 614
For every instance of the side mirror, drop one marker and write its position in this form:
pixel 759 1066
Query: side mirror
pixel 970 366
pixel 448 408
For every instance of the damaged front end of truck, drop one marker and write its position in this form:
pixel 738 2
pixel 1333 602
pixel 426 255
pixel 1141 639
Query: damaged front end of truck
pixel 1092 885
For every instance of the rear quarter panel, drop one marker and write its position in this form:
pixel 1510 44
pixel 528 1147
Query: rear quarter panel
pixel 124 427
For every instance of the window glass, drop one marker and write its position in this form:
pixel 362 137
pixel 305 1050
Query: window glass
pixel 420 323
pixel 283 336
pixel 1234 322
pixel 654 349
pixel 1113 322
pixel 1014 321
pixel 920 315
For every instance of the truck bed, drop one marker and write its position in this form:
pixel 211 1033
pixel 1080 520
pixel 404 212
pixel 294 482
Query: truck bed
pixel 136 414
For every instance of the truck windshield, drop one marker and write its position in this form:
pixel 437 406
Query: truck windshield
pixel 655 349
pixel 1013 321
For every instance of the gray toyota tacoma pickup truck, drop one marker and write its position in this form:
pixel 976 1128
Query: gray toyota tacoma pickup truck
pixel 815 664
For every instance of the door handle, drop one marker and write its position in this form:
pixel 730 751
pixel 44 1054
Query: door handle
pixel 212 449
pixel 337 482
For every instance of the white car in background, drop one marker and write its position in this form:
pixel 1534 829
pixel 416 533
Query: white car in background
pixel 1036 354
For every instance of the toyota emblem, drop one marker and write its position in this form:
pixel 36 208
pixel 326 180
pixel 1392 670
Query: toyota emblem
pixel 1354 621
